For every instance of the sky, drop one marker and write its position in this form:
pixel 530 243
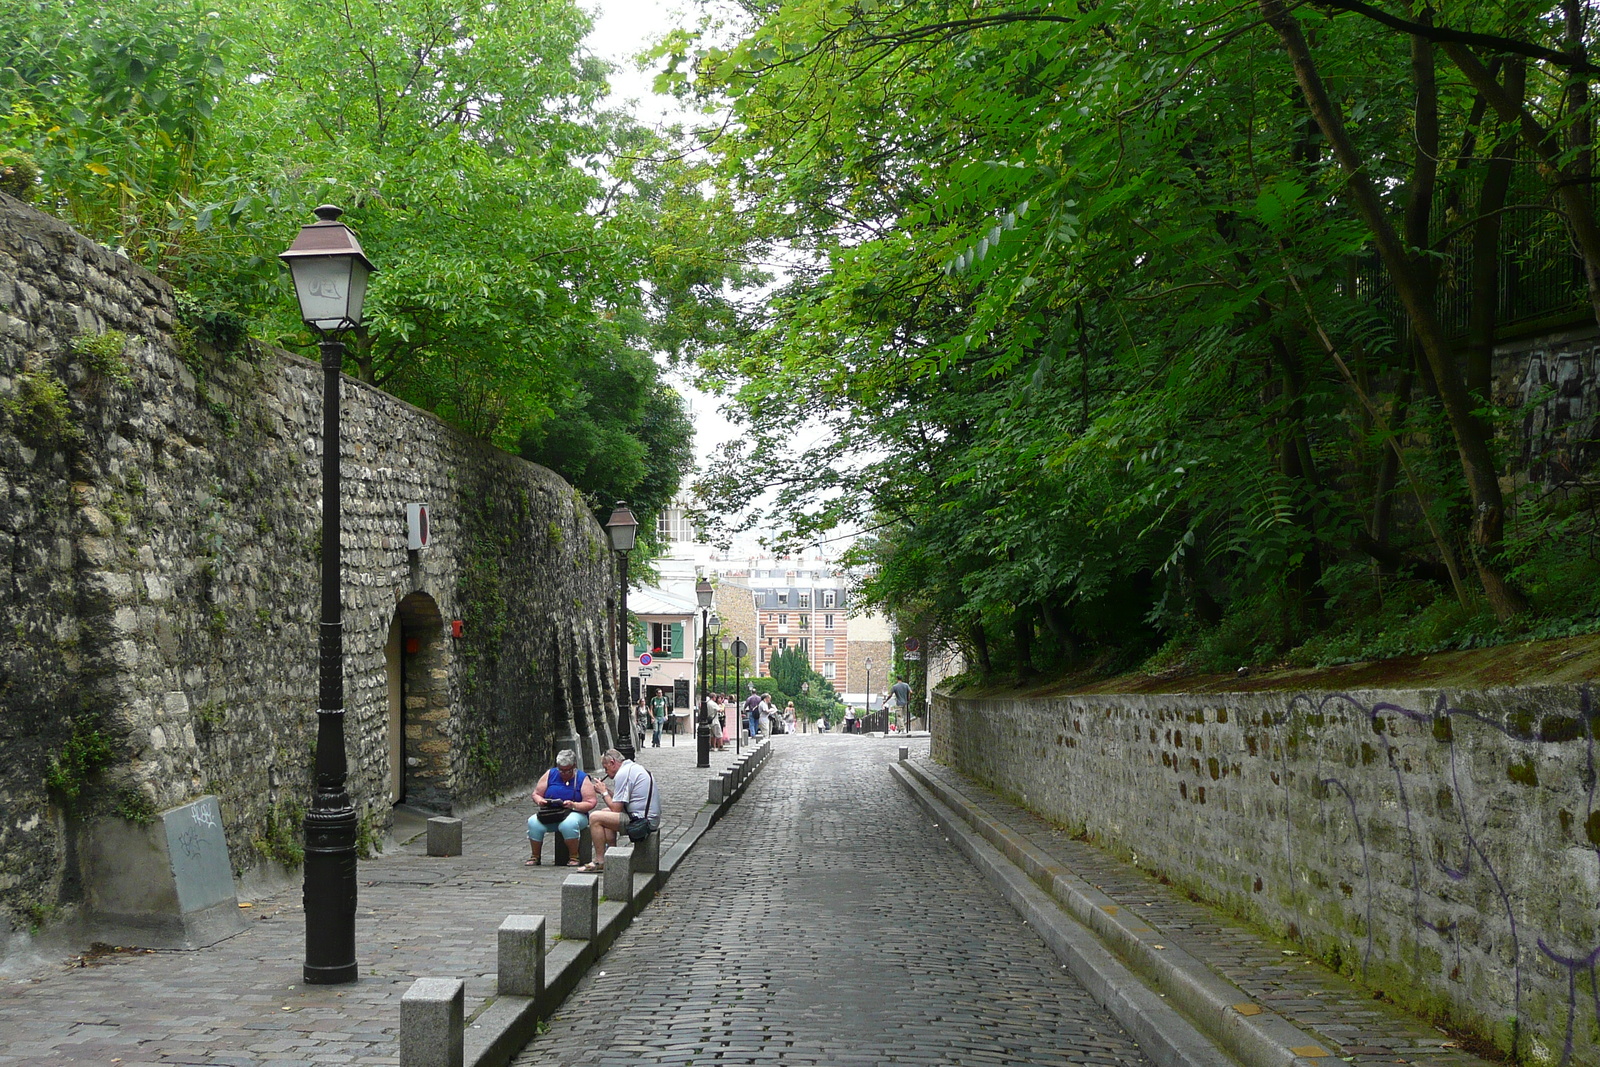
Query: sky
pixel 624 28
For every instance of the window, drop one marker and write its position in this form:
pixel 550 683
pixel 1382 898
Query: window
pixel 783 642
pixel 783 620
pixel 763 657
pixel 762 630
pixel 805 644
pixel 783 598
pixel 827 598
pixel 661 638
pixel 827 646
pixel 805 622
pixel 827 671
pixel 805 600
pixel 673 525
pixel 827 622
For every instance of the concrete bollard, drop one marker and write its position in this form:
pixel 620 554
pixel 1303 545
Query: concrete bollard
pixel 444 837
pixel 714 791
pixel 520 958
pixel 905 753
pixel 430 1023
pixel 619 874
pixel 580 907
pixel 647 854
pixel 563 853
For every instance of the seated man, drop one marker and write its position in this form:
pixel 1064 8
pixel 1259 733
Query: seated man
pixel 632 795
pixel 561 788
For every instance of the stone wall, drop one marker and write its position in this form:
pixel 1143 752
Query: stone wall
pixel 1442 846
pixel 159 528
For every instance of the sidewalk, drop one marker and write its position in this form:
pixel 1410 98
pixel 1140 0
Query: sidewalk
pixel 242 1002
pixel 1272 982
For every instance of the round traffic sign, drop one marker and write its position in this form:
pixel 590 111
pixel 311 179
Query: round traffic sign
pixel 740 649
pixel 912 644
pixel 645 659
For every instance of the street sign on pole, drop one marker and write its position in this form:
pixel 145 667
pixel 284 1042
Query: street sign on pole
pixel 645 659
pixel 740 648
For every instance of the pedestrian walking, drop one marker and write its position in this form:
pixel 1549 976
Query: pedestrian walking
pixel 752 712
pixel 658 705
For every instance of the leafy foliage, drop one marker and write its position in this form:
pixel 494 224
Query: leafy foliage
pixel 1089 313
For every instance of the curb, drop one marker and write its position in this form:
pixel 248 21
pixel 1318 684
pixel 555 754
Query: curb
pixel 505 1024
pixel 1250 1032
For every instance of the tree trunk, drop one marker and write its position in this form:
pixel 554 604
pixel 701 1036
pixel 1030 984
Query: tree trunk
pixel 1022 638
pixel 1472 445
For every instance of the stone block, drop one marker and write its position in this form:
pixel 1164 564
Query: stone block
pixel 444 836
pixel 905 753
pixel 170 879
pixel 714 789
pixel 520 959
pixel 431 1023
pixel 619 873
pixel 585 849
pixel 580 907
pixel 647 854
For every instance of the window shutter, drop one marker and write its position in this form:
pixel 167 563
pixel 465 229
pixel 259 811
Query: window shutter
pixel 677 640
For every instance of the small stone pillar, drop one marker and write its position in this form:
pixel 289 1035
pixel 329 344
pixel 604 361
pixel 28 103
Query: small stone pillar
pixel 444 836
pixel 564 855
pixel 647 854
pixel 430 1023
pixel 580 907
pixel 714 791
pixel 619 873
pixel 520 957
pixel 905 753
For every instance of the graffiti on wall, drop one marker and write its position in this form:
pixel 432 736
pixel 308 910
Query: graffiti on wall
pixel 1448 817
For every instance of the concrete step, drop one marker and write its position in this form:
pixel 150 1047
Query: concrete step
pixel 1262 1001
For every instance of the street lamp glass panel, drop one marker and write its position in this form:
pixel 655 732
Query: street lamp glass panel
pixel 331 290
pixel 703 592
pixel 622 528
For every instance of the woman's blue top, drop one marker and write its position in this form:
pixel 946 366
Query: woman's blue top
pixel 556 789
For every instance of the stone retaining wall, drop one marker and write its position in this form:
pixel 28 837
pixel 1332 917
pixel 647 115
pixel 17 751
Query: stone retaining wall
pixel 159 530
pixel 1442 846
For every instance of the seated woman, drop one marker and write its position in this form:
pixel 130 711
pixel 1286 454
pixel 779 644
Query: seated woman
pixel 561 789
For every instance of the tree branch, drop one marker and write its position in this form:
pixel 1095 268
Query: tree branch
pixel 1445 35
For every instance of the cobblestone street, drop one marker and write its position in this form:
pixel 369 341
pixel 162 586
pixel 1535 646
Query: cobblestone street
pixel 824 921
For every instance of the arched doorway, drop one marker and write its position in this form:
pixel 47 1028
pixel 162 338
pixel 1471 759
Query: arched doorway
pixel 419 723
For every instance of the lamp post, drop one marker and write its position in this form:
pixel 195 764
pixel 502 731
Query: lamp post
pixel 702 722
pixel 738 692
pixel 623 529
pixel 330 281
pixel 859 725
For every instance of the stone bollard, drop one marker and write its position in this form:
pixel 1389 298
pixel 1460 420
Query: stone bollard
pixel 520 959
pixel 905 753
pixel 430 1023
pixel 647 854
pixel 619 874
pixel 714 790
pixel 562 853
pixel 580 907
pixel 444 837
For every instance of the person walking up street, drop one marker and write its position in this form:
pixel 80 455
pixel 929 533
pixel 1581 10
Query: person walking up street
pixel 632 795
pixel 752 712
pixel 658 705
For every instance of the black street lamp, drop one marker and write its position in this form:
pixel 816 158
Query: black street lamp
pixel 740 718
pixel 623 529
pixel 862 726
pixel 702 722
pixel 330 280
